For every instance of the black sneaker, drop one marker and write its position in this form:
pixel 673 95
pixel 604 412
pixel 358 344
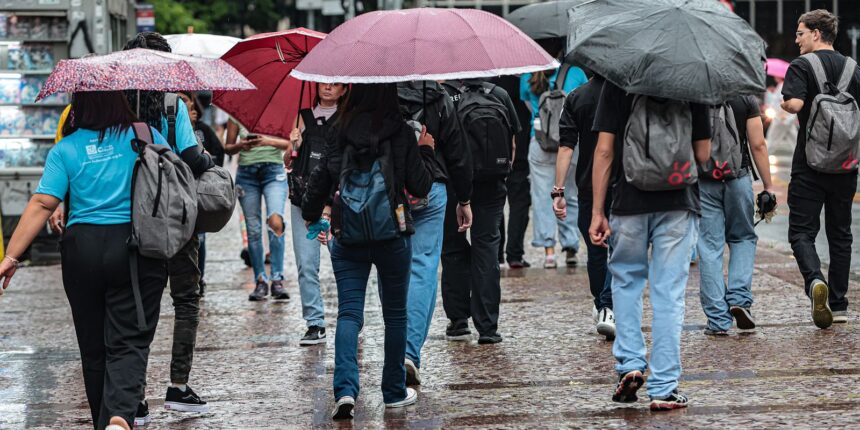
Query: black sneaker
pixel 184 401
pixel 743 317
pixel 570 257
pixel 628 384
pixel 278 291
pixel 260 292
pixel 489 339
pixel 343 409
pixel 715 333
pixel 458 330
pixel 670 402
pixel 141 417
pixel 315 335
pixel 519 264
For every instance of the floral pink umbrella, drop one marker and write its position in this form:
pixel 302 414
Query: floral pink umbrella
pixel 422 44
pixel 143 69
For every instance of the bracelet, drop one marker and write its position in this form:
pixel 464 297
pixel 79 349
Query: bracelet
pixel 556 188
pixel 555 194
pixel 13 260
pixel 466 203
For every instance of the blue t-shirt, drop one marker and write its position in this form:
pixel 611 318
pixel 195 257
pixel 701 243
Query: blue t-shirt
pixel 185 137
pixel 575 77
pixel 99 174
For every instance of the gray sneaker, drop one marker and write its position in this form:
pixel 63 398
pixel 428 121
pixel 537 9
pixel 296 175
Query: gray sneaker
pixel 413 376
pixel 821 314
pixel 840 317
pixel 260 292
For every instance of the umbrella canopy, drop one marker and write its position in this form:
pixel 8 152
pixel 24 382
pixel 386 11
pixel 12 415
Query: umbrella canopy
pixel 423 44
pixel 777 67
pixel 201 45
pixel 543 20
pixel 267 60
pixel 689 50
pixel 142 69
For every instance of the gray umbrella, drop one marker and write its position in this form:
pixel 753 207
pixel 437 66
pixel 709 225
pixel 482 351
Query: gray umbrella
pixel 690 50
pixel 543 20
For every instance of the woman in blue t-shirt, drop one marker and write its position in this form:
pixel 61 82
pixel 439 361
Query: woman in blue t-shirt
pixel 91 167
pixel 542 170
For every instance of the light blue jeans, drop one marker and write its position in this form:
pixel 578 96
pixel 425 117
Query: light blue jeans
pixel 542 178
pixel 255 182
pixel 728 210
pixel 307 253
pixel 671 236
pixel 426 252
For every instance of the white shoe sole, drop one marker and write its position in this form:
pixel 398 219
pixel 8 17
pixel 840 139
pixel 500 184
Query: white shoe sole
pixel 115 427
pixel 460 338
pixel 142 421
pixel 184 407
pixel 411 398
pixel 606 329
pixel 311 342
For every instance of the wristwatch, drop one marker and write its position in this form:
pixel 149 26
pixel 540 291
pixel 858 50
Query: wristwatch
pixel 556 193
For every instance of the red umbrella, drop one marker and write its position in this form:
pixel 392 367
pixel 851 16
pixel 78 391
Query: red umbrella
pixel 267 60
pixel 142 69
pixel 423 44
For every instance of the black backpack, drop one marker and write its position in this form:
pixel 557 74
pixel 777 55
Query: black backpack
pixel 487 129
pixel 310 154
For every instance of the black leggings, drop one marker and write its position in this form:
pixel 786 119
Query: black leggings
pixel 114 351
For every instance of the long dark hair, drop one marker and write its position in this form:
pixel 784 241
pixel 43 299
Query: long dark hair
pixel 102 111
pixel 539 81
pixel 195 102
pixel 151 102
pixel 380 99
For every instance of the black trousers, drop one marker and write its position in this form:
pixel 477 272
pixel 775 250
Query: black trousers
pixel 599 280
pixel 808 192
pixel 114 350
pixel 470 271
pixel 519 202
pixel 185 292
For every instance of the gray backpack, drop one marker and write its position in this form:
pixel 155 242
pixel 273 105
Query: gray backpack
pixel 658 151
pixel 550 106
pixel 163 198
pixel 725 161
pixel 833 130
pixel 216 192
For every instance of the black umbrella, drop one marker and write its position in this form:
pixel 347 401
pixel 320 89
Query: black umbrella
pixel 543 20
pixel 690 50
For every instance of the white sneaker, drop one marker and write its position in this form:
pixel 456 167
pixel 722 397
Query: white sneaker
pixel 594 313
pixel 413 376
pixel 549 262
pixel 411 398
pixel 344 409
pixel 840 317
pixel 606 323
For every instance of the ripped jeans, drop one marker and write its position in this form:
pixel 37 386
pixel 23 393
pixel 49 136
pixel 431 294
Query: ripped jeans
pixel 255 182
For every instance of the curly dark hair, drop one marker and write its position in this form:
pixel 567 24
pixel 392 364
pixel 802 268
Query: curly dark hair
pixel 151 102
pixel 823 21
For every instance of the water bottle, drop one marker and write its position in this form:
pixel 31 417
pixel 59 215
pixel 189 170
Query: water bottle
pixel 318 227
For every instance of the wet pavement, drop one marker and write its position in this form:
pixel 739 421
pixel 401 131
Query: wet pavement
pixel 551 371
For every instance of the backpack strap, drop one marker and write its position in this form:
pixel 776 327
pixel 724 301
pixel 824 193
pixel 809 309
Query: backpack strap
pixel 171 108
pixel 562 76
pixel 847 74
pixel 142 135
pixel 308 118
pixel 818 70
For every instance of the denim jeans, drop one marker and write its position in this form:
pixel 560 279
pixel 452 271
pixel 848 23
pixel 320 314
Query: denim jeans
pixel 671 236
pixel 542 178
pixel 351 266
pixel 727 217
pixel 426 251
pixel 307 253
pixel 255 182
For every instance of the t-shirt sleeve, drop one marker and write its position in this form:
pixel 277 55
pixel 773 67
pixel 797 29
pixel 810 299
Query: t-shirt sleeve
pixel 795 84
pixel 752 107
pixel 567 127
pixel 185 137
pixel 701 121
pixel 575 78
pixel 55 179
pixel 525 91
pixel 158 138
pixel 512 111
pixel 608 117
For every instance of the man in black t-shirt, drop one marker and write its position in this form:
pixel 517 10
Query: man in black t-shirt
pixel 728 211
pixel 811 190
pixel 577 118
pixel 665 221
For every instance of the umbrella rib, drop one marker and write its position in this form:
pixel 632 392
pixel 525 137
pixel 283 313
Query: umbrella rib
pixel 271 96
pixel 696 42
pixel 479 39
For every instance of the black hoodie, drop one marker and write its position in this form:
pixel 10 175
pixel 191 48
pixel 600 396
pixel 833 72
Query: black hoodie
pixel 452 164
pixel 408 168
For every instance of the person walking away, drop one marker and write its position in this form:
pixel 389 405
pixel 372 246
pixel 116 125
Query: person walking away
pixel 824 168
pixel 728 212
pixel 371 159
pixel 210 142
pixel 92 168
pixel 172 118
pixel 535 87
pixel 654 206
pixel 261 175
pixel 426 104
pixel 470 269
pixel 308 140
pixel 575 124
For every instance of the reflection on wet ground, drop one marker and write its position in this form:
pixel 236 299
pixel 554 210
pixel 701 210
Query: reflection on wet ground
pixel 551 371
